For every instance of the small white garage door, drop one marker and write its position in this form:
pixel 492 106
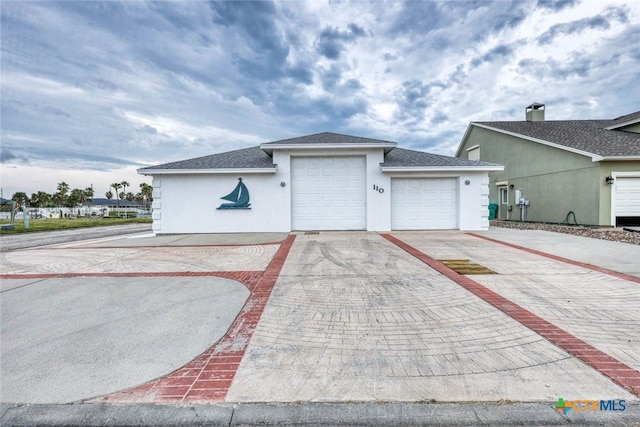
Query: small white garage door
pixel 424 204
pixel 627 196
pixel 328 193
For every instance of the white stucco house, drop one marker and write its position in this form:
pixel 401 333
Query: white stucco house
pixel 325 181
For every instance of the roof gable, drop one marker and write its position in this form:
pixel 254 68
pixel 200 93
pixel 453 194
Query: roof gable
pixel 592 138
pixel 328 140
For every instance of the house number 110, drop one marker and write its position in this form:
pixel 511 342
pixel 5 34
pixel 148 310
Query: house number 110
pixel 378 189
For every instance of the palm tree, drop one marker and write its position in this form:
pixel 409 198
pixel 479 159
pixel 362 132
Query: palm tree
pixel 61 196
pixel 108 195
pixel 116 186
pixel 63 188
pixel 76 197
pixel 88 194
pixel 146 191
pixel 124 185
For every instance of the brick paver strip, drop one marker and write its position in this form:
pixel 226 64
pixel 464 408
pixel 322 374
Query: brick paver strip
pixel 245 277
pixel 617 371
pixel 559 258
pixel 208 377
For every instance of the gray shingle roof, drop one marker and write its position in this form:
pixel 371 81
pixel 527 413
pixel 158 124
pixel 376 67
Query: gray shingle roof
pixel 255 157
pixel 401 157
pixel 329 138
pixel 585 135
pixel 245 158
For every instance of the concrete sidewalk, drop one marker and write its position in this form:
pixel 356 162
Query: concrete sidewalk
pixel 621 257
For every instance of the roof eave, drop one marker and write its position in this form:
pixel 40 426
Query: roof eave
pixel 216 171
pixel 441 168
pixel 621 125
pixel 269 147
pixel 619 158
pixel 464 139
pixel 595 157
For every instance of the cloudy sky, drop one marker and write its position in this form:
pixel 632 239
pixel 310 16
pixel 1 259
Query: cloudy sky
pixel 93 90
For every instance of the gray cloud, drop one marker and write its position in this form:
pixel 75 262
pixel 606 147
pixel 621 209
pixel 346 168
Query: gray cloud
pixel 331 41
pixel 556 5
pixel 498 53
pixel 603 21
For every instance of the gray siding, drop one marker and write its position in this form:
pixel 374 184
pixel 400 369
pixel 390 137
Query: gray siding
pixel 554 180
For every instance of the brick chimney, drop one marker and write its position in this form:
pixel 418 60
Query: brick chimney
pixel 535 112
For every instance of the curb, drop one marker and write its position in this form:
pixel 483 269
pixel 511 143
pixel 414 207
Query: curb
pixel 383 414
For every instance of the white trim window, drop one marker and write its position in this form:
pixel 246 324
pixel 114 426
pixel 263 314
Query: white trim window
pixel 473 153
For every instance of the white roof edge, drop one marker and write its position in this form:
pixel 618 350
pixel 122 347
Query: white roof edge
pixel 205 171
pixel 594 157
pixel 621 125
pixel 464 138
pixel 620 158
pixel 311 146
pixel 441 168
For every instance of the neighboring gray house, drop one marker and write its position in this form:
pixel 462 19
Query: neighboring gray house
pixel 588 167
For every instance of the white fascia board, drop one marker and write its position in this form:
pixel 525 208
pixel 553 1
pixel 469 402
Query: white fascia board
pixel 594 157
pixel 619 158
pixel 441 168
pixel 206 171
pixel 268 148
pixel 621 125
pixel 464 139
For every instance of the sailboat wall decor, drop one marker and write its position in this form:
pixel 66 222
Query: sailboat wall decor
pixel 239 197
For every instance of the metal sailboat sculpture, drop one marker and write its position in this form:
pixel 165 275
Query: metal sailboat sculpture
pixel 239 198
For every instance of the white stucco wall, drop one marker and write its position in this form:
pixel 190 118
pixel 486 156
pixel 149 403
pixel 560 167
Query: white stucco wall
pixel 186 203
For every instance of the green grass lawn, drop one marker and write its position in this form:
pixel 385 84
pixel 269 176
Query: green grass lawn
pixel 51 224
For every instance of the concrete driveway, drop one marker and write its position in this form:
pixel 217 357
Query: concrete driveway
pixel 354 317
pixel 337 317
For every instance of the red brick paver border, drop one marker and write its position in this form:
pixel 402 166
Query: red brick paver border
pixel 561 259
pixel 209 376
pixel 617 371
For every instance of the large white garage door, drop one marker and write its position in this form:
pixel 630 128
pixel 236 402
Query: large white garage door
pixel 627 196
pixel 328 193
pixel 424 204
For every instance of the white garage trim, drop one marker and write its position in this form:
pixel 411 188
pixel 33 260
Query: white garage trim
pixel 328 193
pixel 424 203
pixel 625 195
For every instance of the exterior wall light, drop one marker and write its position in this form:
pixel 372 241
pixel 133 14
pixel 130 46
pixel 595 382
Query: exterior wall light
pixel 282 184
pixel 467 182
pixel 609 179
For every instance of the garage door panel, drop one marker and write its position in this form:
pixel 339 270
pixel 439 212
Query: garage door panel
pixel 627 196
pixel 424 203
pixel 328 193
